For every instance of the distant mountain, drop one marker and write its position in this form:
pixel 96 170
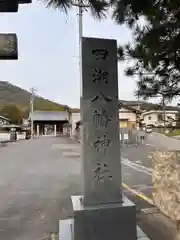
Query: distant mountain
pixel 11 94
pixel 147 106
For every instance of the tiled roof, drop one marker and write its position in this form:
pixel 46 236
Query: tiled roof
pixel 49 116
pixel 4 118
pixel 133 109
pixel 74 110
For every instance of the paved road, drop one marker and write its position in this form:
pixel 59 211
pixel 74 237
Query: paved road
pixel 35 185
pixel 163 142
pixel 38 177
pixel 137 162
pixel 138 165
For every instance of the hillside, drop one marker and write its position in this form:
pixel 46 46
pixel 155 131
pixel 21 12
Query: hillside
pixel 147 106
pixel 11 94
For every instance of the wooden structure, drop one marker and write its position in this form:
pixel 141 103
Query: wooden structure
pixel 53 121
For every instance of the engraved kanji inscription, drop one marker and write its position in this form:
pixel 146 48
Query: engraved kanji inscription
pixel 102 143
pixel 101 118
pixel 100 54
pixel 101 173
pixel 100 76
pixel 102 97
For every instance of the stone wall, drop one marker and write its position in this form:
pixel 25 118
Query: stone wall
pixel 166 183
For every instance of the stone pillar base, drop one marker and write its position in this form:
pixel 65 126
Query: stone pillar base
pixel 103 222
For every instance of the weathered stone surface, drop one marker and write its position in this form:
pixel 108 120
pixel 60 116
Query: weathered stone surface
pixel 104 221
pixel 166 183
pixel 100 122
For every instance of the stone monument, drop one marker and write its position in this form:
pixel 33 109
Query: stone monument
pixel 102 213
pixel 100 117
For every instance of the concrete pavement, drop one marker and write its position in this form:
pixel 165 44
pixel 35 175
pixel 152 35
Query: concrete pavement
pixel 163 142
pixel 139 184
pixel 155 224
pixel 35 185
pixel 38 177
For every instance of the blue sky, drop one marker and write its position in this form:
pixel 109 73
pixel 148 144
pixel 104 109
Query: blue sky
pixel 48 52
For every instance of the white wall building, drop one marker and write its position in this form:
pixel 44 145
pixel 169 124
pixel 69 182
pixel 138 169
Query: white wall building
pixel 74 118
pixel 156 118
pixel 128 117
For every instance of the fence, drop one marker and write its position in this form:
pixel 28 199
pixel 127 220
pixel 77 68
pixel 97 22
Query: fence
pixel 127 137
pixel 6 136
pixel 131 137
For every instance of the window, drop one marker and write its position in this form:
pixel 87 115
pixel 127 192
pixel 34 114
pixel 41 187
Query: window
pixel 160 117
pixel 149 118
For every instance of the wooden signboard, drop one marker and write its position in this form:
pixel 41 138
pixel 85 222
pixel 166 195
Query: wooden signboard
pixel 12 5
pixel 8 46
pixel 8 5
pixel 24 1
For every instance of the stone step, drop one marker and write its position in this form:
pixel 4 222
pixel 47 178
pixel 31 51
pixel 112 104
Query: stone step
pixel 66 230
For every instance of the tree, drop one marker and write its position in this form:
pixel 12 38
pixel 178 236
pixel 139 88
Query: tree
pixel 12 112
pixel 26 112
pixel 155 45
pixel 41 104
pixel 98 7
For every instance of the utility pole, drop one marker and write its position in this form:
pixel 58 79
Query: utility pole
pixel 137 117
pixel 80 44
pixel 164 112
pixel 81 5
pixel 32 110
